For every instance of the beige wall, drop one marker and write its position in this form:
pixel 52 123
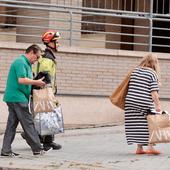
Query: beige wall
pixel 85 71
pixel 86 77
pixel 79 112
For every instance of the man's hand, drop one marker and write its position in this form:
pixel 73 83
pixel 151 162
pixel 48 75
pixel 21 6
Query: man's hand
pixel 39 82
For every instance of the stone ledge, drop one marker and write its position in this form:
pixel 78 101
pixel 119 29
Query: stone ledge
pixel 97 51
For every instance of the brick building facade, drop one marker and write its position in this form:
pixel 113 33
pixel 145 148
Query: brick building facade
pixel 85 76
pixel 84 71
pixel 85 79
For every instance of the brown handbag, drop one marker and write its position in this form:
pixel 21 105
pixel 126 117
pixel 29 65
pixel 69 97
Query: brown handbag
pixel 119 94
pixel 159 128
pixel 44 100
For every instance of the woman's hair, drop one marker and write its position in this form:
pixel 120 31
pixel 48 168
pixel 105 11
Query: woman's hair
pixel 150 60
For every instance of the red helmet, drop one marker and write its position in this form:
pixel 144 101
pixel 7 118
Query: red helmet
pixel 50 36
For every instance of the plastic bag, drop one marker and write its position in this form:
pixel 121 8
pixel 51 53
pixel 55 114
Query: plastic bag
pixel 49 123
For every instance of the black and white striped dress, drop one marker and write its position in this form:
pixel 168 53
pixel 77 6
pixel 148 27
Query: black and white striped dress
pixel 138 100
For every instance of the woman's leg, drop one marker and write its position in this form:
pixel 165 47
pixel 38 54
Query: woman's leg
pixel 139 149
pixel 139 146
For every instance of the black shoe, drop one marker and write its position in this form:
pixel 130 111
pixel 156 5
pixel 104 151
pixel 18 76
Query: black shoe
pixel 38 152
pixel 43 151
pixel 47 148
pixel 55 146
pixel 10 154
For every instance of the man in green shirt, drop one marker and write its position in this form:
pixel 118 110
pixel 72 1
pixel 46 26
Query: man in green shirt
pixel 17 92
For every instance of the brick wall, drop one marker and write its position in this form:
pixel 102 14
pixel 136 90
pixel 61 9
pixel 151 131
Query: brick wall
pixel 88 71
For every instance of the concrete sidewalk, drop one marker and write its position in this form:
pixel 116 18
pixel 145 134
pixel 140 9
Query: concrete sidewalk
pixel 87 149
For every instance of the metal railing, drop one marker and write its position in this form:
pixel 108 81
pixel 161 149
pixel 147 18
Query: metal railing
pixel 128 25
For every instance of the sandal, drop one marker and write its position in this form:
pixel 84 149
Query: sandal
pixel 140 151
pixel 153 152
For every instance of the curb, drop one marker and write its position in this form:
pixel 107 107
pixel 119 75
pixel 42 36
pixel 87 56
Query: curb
pixel 7 168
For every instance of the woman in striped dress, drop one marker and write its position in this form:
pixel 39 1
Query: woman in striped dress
pixel 142 96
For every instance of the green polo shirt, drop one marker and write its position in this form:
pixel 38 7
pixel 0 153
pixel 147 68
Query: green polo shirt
pixel 15 92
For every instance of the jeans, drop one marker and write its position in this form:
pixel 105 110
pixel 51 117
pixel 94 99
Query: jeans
pixel 19 112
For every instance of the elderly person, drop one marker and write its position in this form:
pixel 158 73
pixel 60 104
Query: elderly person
pixel 17 93
pixel 142 97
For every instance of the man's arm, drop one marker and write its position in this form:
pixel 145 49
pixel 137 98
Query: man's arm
pixel 28 81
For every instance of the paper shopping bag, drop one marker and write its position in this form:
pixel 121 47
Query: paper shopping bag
pixel 159 128
pixel 43 100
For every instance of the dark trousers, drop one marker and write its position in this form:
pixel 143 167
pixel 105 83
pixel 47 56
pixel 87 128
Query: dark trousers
pixel 19 112
pixel 47 139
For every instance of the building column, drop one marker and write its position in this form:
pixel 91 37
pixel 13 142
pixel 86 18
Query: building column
pixel 113 29
pixel 32 22
pixel 142 31
pixel 63 21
